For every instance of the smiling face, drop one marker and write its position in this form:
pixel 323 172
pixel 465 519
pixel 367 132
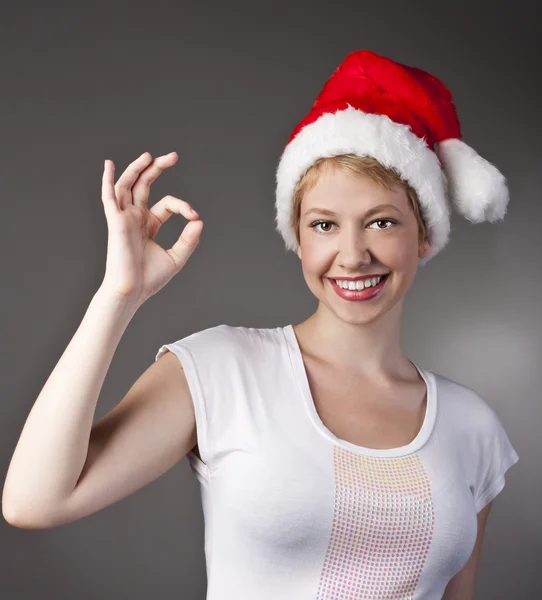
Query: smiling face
pixel 358 239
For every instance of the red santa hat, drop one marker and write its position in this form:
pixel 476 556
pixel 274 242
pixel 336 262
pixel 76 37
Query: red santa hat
pixel 404 118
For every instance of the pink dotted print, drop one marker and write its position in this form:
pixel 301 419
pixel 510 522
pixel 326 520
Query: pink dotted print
pixel 382 528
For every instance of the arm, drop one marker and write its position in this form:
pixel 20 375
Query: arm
pixel 53 444
pixel 142 437
pixel 146 434
pixel 461 585
pixel 62 464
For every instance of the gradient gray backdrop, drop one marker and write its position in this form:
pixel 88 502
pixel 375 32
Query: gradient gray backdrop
pixel 224 84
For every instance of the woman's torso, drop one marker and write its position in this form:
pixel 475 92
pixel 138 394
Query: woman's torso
pixel 315 484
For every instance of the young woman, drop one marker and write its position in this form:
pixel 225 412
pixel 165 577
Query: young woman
pixel 331 466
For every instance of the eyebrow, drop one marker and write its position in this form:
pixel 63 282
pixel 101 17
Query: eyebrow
pixel 325 211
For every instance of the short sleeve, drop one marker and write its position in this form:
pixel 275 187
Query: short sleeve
pixel 199 354
pixel 497 456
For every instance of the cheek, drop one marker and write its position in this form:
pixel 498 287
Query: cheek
pixel 401 252
pixel 405 263
pixel 315 257
pixel 313 268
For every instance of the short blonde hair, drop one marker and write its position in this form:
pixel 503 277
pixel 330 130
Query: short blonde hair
pixel 359 166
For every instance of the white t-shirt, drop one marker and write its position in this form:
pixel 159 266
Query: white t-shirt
pixel 293 512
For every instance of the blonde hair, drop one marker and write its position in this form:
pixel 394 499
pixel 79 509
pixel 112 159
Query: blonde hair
pixel 358 166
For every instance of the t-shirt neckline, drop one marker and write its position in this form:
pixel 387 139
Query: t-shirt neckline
pixel 300 375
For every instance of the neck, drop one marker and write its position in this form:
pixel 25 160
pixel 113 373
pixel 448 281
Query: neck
pixel 370 349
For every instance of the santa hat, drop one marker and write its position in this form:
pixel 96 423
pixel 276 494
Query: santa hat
pixel 373 106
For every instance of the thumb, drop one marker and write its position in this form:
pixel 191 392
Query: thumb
pixel 187 242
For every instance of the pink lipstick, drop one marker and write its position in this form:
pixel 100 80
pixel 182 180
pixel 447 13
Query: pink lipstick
pixel 366 294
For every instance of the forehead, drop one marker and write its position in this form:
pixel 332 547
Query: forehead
pixel 339 190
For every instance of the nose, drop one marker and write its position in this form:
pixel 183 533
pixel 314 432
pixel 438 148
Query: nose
pixel 353 250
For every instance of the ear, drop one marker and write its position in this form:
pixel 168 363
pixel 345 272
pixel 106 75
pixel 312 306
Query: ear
pixel 298 252
pixel 424 249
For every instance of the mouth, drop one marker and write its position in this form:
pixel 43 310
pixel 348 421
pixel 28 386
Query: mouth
pixel 360 295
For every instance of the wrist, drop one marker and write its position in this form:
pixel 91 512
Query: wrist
pixel 118 302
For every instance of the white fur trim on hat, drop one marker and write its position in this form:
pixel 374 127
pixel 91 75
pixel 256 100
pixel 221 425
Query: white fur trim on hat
pixel 352 131
pixel 476 188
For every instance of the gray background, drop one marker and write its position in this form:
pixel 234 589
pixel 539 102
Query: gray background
pixel 224 84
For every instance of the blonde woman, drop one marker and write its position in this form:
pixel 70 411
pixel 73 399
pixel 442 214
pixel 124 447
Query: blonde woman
pixel 331 465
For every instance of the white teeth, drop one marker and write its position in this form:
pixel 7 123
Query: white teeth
pixel 360 284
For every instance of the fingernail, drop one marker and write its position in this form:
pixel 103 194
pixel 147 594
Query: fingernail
pixel 196 213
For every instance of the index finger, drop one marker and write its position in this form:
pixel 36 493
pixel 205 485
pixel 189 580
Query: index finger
pixel 126 180
pixel 141 188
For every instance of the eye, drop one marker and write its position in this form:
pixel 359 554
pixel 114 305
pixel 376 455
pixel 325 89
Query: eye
pixel 319 223
pixel 384 221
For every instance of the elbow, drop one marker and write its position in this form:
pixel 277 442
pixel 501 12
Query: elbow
pixel 18 518
pixel 25 522
pixel 17 515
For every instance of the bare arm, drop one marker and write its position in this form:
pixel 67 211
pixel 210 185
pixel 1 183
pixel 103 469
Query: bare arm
pixel 53 444
pixel 56 454
pixel 146 434
pixel 141 438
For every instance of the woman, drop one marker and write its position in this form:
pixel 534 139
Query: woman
pixel 331 466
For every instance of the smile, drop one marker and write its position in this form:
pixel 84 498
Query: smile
pixel 363 294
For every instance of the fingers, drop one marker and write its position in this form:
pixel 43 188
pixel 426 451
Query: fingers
pixel 170 205
pixel 182 249
pixel 123 187
pixel 189 238
pixel 108 190
pixel 141 188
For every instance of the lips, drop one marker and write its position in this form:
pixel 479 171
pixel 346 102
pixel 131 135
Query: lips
pixel 355 295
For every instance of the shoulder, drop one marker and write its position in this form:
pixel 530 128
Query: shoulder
pixel 227 341
pixel 233 334
pixel 465 405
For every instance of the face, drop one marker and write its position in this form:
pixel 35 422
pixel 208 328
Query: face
pixel 358 239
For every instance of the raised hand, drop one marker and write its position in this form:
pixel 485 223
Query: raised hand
pixel 137 267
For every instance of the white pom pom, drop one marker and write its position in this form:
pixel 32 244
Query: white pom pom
pixel 476 187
